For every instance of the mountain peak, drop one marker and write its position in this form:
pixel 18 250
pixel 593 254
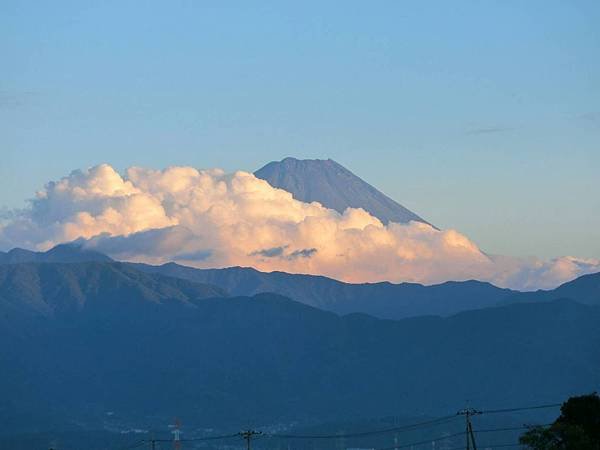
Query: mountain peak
pixel 62 253
pixel 331 184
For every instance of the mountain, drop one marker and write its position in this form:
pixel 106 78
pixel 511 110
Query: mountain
pixel 383 300
pixel 64 253
pixel 584 289
pixel 40 290
pixel 147 348
pixel 334 186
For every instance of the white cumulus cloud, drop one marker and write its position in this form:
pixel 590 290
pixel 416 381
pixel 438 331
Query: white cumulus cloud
pixel 208 218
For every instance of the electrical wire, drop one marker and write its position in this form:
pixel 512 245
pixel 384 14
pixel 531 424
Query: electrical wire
pixel 522 427
pixel 463 433
pixel 211 438
pixel 490 446
pixel 410 427
pixel 441 438
pixel 439 420
pixel 133 445
pixel 525 408
pixel 206 438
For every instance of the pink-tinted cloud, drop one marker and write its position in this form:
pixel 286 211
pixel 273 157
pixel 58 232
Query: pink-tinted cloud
pixel 207 218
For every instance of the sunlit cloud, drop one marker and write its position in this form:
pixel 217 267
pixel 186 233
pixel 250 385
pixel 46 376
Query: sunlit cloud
pixel 208 218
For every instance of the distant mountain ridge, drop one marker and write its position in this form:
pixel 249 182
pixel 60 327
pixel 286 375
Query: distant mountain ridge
pixel 334 186
pixel 584 289
pixel 383 300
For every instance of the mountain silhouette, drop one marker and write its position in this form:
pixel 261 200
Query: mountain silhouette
pixel 78 340
pixel 334 186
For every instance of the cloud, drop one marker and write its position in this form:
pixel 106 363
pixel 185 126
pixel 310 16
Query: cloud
pixel 199 255
pixel 304 253
pixel 209 218
pixel 280 252
pixel 270 252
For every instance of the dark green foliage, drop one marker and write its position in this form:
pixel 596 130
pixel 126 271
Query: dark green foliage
pixel 577 427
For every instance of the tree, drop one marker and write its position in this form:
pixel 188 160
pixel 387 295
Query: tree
pixel 577 427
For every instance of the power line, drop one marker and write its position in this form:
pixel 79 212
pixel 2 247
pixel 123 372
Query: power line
pixel 207 438
pixel 525 408
pixel 491 445
pixel 135 444
pixel 462 433
pixel 469 432
pixel 365 433
pixel 211 438
pixel 522 427
pixel 450 436
pixel 410 427
pixel 441 438
pixel 253 434
pixel 491 430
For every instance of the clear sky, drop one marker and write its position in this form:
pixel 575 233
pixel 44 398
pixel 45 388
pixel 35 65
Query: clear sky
pixel 479 116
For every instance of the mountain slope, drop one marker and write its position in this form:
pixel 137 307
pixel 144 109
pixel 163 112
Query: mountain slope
pixel 584 289
pixel 383 300
pixel 267 359
pixel 334 186
pixel 49 289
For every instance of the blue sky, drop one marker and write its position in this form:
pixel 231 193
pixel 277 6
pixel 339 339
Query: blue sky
pixel 479 116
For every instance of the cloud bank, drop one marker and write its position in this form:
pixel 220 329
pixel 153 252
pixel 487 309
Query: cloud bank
pixel 207 218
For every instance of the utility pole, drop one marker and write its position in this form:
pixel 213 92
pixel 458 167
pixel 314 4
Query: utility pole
pixel 248 435
pixel 468 413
